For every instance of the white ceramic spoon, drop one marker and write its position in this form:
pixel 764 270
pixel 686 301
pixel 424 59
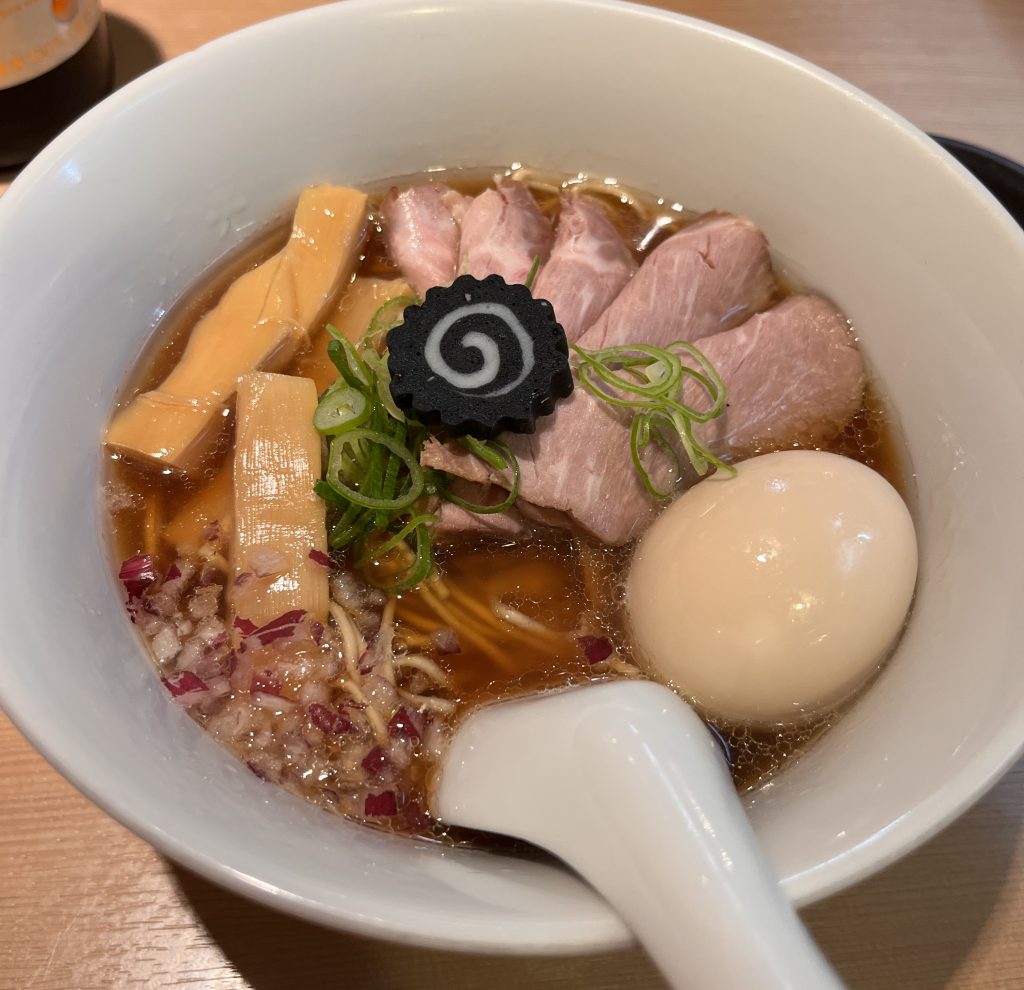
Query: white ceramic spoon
pixel 624 782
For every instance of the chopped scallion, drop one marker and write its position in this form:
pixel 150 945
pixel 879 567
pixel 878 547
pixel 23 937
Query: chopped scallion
pixel 341 408
pixel 649 381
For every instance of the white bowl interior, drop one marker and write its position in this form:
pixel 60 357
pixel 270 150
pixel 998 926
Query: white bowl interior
pixel 105 230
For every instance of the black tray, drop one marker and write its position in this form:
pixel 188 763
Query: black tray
pixel 1003 177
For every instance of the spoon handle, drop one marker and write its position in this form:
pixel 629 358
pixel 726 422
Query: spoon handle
pixel 625 783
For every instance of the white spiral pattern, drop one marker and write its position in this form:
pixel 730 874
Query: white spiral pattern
pixel 475 340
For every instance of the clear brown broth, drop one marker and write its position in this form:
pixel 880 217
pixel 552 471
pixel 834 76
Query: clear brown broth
pixel 556 579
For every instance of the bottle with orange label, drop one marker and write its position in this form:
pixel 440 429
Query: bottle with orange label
pixel 55 63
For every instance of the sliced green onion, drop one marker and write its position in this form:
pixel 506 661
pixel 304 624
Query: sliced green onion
pixel 642 433
pixel 373 439
pixel 491 457
pixel 346 359
pixel 390 482
pixel 534 268
pixel 329 495
pixel 341 408
pixel 379 552
pixel 373 478
pixel 498 455
pixel 378 364
pixel 422 565
pixel 372 486
pixel 649 381
pixel 387 317
pixel 348 530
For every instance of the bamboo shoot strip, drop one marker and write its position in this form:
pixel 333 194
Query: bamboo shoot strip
pixel 351 318
pixel 276 512
pixel 261 322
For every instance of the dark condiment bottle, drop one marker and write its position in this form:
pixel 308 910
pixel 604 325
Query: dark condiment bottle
pixel 55 63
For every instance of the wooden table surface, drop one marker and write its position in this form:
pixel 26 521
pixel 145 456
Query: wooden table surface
pixel 84 904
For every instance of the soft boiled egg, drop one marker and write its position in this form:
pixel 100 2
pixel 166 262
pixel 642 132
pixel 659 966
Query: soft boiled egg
pixel 772 594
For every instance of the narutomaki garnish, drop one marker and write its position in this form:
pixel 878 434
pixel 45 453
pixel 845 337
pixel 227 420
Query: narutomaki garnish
pixel 480 357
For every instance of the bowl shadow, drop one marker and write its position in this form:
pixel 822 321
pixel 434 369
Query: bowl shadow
pixel 913 927
pixel 273 951
pixel 135 50
pixel 915 924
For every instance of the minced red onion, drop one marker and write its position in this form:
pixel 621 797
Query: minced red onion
pixel 190 653
pixel 331 723
pixel 400 752
pixel 212 632
pixel 402 725
pixel 183 682
pixel 314 692
pixel 347 590
pixel 446 641
pixel 266 561
pixel 257 770
pixel 120 498
pixel 137 573
pixel 218 686
pixel 272 702
pixel 208 574
pixel 321 558
pixel 316 739
pixel 380 650
pixel 267 682
pixel 150 625
pixel 240 671
pixel 244 626
pixel 382 805
pixel 165 645
pixel 283 627
pixel 416 819
pixel 375 761
pixel 233 721
pixel 295 746
pixel 205 603
pixel 212 664
pixel 596 648
pixel 368 624
pixel 356 706
pixel 241 580
pixel 435 739
pixel 381 693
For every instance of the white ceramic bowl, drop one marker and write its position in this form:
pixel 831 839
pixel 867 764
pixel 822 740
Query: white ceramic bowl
pixel 123 212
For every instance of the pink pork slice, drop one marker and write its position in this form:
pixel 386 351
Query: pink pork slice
pixel 503 231
pixel 421 231
pixel 793 376
pixel 709 277
pixel 453 519
pixel 588 267
pixel 576 471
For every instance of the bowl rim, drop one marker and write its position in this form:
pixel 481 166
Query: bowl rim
pixel 905 835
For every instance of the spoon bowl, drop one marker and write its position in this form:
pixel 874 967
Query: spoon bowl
pixel 626 784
